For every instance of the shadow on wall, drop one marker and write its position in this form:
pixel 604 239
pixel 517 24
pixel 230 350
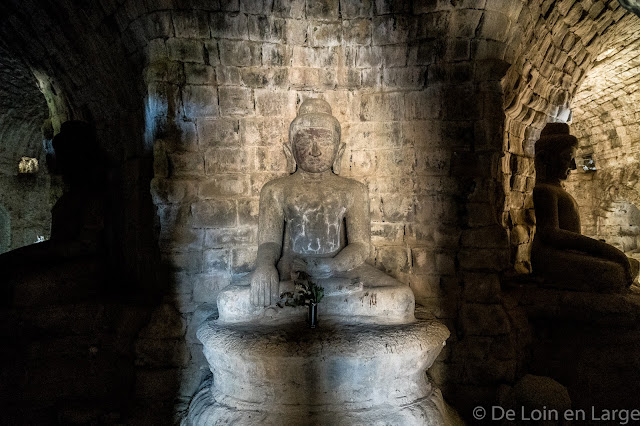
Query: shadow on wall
pixel 5 230
pixel 77 347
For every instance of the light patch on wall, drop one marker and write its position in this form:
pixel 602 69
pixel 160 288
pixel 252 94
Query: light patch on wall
pixel 28 165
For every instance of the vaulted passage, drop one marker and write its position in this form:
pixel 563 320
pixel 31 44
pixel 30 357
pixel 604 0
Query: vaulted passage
pixel 179 111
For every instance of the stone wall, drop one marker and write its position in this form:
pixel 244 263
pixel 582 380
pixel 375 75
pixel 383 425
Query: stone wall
pixel 439 102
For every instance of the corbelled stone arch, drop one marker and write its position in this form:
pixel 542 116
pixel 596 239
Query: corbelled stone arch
pixel 560 44
pixel 605 121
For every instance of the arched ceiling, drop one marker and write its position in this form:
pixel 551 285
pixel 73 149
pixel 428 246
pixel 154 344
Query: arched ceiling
pixel 605 108
pixel 23 110
pixel 77 52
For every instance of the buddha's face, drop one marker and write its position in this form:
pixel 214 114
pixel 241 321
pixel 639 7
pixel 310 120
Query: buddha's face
pixel 314 149
pixel 565 163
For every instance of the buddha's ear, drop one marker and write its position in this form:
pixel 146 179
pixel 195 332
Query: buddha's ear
pixel 337 162
pixel 291 161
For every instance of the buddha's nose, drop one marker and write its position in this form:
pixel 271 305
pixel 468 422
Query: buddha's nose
pixel 315 151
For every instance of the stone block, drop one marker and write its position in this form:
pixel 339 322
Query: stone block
pixel 199 101
pixel 369 57
pixel 259 179
pixel 257 77
pixel 172 214
pixel 214 213
pixel 276 55
pixel 183 261
pixel 165 71
pixel 186 137
pixel 484 320
pixel 160 159
pixel 382 106
pixel 315 57
pixel 171 191
pixel 188 164
pixel 327 10
pixel 215 260
pixel 392 259
pixel 312 78
pixel 221 132
pixel 225 237
pixel 348 78
pixel 405 77
pixel 322 34
pixel 229 25
pixel 235 101
pixel 387 233
pixel 361 163
pixel 355 9
pixel 185 50
pixel 228 160
pixel 394 56
pixel 264 131
pixel 158 25
pixel 240 53
pixel 248 212
pixel 181 284
pixel 486 237
pixel 289 8
pixel 363 136
pixel 271 103
pixel 481 288
pixel 165 323
pixel 423 105
pixel 243 259
pixel 383 7
pixel 433 25
pixel 445 264
pixel 199 74
pixel 392 29
pixel 224 186
pixel 270 160
pixel 266 29
pixel 191 24
pixel 357 31
pixel 296 32
pixel 261 7
pixel 495 26
pixel 211 54
pixel 423 260
pixel 371 77
pixel 484 259
pixel 464 22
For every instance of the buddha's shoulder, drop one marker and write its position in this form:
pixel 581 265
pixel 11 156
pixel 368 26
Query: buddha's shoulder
pixel 278 184
pixel 348 183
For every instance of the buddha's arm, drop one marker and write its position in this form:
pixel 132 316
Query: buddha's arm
pixel 358 222
pixel 549 231
pixel 265 279
pixel 358 235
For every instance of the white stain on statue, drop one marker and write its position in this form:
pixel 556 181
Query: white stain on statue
pixel 315 227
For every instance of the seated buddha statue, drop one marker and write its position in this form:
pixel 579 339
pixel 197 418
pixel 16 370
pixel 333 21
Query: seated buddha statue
pixel 317 222
pixel 560 254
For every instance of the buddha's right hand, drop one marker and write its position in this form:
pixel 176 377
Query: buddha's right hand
pixel 264 285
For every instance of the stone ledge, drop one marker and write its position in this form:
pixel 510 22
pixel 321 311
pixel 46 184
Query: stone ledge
pixel 591 308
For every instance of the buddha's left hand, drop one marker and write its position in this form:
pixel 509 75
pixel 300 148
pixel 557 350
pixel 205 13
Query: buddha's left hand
pixel 317 268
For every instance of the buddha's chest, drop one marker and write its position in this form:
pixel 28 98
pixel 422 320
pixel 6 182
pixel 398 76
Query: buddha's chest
pixel 568 214
pixel 314 220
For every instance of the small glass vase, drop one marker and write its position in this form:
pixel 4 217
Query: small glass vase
pixel 312 320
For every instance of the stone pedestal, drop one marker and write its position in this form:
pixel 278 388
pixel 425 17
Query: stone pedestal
pixel 338 374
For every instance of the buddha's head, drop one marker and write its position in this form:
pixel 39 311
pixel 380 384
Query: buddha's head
pixel 314 137
pixel 555 151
